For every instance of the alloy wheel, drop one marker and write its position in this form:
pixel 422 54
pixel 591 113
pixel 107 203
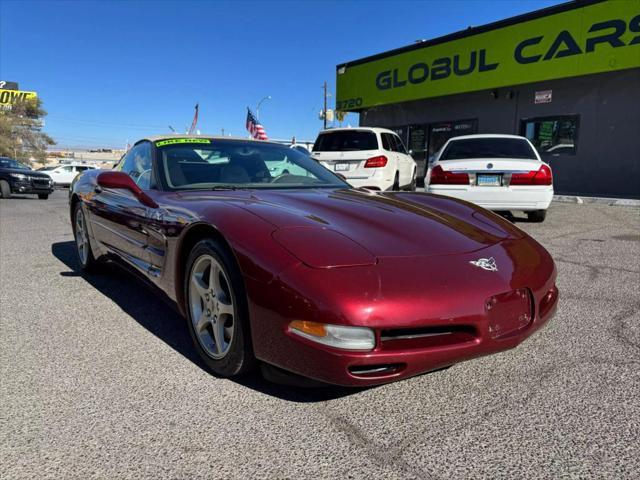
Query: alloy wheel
pixel 82 240
pixel 211 304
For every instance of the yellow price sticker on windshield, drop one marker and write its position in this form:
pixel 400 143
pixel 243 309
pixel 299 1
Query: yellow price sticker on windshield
pixel 173 141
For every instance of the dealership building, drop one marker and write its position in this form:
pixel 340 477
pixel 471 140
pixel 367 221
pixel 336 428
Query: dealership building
pixel 566 77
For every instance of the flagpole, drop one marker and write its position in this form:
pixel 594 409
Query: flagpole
pixel 195 120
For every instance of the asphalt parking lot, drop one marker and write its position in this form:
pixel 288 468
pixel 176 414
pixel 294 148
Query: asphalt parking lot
pixel 99 379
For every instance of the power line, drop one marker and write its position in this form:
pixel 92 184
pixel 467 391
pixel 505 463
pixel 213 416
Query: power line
pixel 106 124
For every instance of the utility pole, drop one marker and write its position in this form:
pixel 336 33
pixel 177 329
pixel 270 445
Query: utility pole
pixel 222 131
pixel 324 116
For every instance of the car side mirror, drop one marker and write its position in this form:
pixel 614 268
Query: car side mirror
pixel 122 181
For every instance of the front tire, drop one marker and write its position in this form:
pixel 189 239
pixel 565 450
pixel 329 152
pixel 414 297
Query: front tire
pixel 43 196
pixel 5 189
pixel 86 259
pixel 217 312
pixel 537 216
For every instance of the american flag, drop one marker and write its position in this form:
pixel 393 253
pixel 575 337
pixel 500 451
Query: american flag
pixel 195 120
pixel 254 128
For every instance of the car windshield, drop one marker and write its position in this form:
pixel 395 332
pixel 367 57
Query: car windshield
pixel 10 163
pixel 346 141
pixel 488 148
pixel 210 164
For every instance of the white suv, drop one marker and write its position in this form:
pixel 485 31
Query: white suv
pixel 63 175
pixel 373 158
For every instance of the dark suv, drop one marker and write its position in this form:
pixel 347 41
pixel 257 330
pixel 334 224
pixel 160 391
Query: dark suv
pixel 16 177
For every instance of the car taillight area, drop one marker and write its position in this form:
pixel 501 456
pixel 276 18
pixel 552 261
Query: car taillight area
pixel 376 162
pixel 509 312
pixel 442 177
pixel 543 176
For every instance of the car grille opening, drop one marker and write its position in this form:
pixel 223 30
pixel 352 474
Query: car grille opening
pixel 369 371
pixel 427 337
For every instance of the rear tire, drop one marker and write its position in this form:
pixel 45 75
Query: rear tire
pixel 412 185
pixel 43 196
pixel 5 189
pixel 537 216
pixel 217 311
pixel 396 183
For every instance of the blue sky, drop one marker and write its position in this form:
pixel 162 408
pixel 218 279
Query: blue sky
pixel 109 72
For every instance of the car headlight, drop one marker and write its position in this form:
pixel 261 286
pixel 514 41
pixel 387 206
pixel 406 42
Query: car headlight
pixel 19 176
pixel 337 336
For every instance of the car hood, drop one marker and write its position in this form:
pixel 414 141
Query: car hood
pixel 399 224
pixel 30 173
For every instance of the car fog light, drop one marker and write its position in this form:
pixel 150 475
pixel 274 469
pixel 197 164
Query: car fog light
pixel 338 336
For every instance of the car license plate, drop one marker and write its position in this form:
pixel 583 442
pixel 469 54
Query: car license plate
pixel 341 167
pixel 489 180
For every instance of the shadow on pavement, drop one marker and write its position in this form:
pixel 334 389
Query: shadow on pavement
pixel 162 320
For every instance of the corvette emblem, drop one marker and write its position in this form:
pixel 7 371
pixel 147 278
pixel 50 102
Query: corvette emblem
pixel 486 264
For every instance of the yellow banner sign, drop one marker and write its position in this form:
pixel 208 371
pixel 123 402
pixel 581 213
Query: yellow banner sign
pixel 9 97
pixel 585 38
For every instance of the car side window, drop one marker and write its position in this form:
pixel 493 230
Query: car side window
pixel 387 142
pixel 137 164
pixel 399 145
pixel 68 168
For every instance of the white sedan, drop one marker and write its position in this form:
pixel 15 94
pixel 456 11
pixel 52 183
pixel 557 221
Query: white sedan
pixel 63 175
pixel 497 172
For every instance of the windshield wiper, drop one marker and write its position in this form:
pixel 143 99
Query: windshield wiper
pixel 227 187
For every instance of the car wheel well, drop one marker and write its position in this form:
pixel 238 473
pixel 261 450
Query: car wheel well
pixel 191 237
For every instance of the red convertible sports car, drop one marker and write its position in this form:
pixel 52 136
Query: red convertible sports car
pixel 305 274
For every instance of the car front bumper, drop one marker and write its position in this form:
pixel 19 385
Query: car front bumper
pixel 358 369
pixel 31 187
pixel 420 325
pixel 520 198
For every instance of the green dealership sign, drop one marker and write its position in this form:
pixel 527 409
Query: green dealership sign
pixel 594 38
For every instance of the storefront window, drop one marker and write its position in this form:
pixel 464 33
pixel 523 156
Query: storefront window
pixel 440 132
pixel 553 135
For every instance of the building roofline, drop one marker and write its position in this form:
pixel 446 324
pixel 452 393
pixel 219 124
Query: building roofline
pixel 544 12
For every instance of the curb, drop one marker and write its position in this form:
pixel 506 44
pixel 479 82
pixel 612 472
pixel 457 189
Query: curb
pixel 618 202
